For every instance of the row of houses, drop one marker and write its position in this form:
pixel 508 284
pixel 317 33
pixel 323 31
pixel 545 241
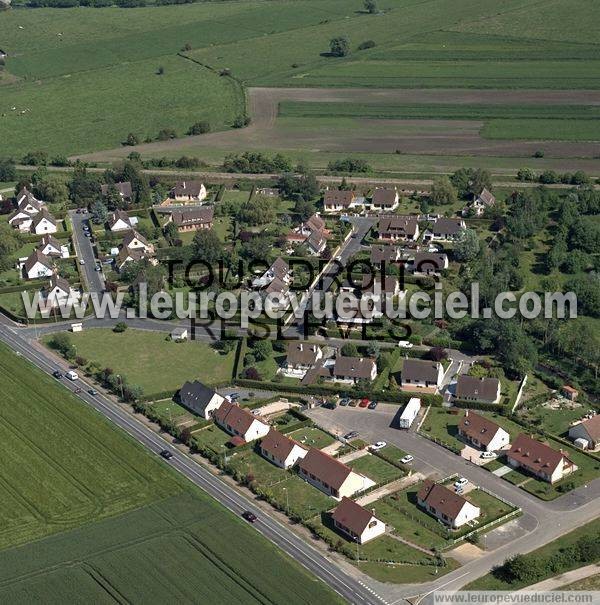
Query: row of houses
pixel 396 227
pixel 312 233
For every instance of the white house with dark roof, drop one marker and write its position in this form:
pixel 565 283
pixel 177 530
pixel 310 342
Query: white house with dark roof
pixel 199 398
pixel 50 246
pixel 28 206
pixel 37 265
pixel 446 229
pixel 136 241
pixel 240 422
pixel 586 434
pixel 480 203
pixel 301 356
pixel 356 522
pixel 281 450
pixel 60 292
pixel 339 200
pixel 449 507
pixel 475 388
pixel 192 219
pixel 385 200
pixel 187 191
pixel 396 227
pixel 483 433
pixel 420 374
pixel 44 222
pixel 119 221
pixel 353 369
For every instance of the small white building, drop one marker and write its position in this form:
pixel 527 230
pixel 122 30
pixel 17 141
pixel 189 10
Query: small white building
pixel 179 334
pixel 409 413
pixel 44 222
pixel 356 522
pixel 483 433
pixel 240 423
pixel 119 221
pixel 281 450
pixel 449 507
pixel 37 265
pixel 588 431
pixel 60 293
pixel 199 398
pixel 422 374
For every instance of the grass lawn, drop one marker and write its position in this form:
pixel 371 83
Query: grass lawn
pixel 591 583
pixel 375 468
pixel 304 500
pixel 555 421
pixel 490 582
pixel 168 409
pixel 213 437
pixel 406 574
pixel 312 436
pixel 148 359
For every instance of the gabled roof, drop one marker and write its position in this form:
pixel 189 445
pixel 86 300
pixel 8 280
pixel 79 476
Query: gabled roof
pixel 486 198
pixel 325 468
pixel 398 225
pixel 276 286
pixel 235 416
pixel 278 444
pixel 25 197
pixel 420 370
pixel 352 516
pixel 187 188
pixel 444 500
pixel 354 367
pixel 40 216
pixel 315 223
pixel 316 240
pixel 448 226
pixel 385 197
pixel 116 216
pixel 338 197
pixel 131 235
pixel 429 261
pixel 37 257
pixel 59 282
pixel 49 240
pixel 123 188
pixel 196 216
pixel 197 393
pixel 134 254
pixel 478 427
pixel 592 427
pixel 535 454
pixel 385 253
pixel 387 286
pixel 302 353
pixel 279 268
pixel 473 387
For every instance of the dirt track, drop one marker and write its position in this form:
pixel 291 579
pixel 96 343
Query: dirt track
pixel 431 137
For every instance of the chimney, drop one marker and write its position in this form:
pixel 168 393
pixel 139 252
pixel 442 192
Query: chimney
pixel 373 511
pixel 466 413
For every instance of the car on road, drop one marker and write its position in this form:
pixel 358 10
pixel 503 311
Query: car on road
pixel 345 401
pixel 372 405
pixel 404 344
pixel 57 374
pixel 364 403
pixel 338 258
pixel 249 516
pixel 82 261
pixel 488 455
pixel 88 234
pixel 93 392
pixel 77 390
pixel 166 454
pixel 378 445
pixel 406 459
pixel 460 483
pixel 72 375
pixel 351 435
pixel 98 268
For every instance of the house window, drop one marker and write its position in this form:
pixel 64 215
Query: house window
pixel 372 524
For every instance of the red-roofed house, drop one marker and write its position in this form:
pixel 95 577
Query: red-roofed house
pixel 281 450
pixel 448 506
pixel 357 522
pixel 239 422
pixel 539 459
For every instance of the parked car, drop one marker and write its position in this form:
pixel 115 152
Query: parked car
pixel 81 261
pixel 351 435
pixel 379 445
pixel 488 455
pixel 406 459
pixel 345 401
pixel 353 403
pixel 250 517
pixel 364 403
pixel 166 454
pixel 460 483
pixel 372 405
pixel 404 344
pixel 57 374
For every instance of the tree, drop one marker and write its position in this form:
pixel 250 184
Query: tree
pixel 442 191
pixel 371 7
pixel 467 247
pixel 438 353
pixel 262 349
pixel 131 140
pixel 99 212
pixel 207 246
pixel 470 182
pixel 201 127
pixel 36 158
pixel 61 342
pixel 83 188
pixel 349 350
pixel 10 242
pixel 305 208
pixel 8 171
pixel 526 174
pixel 374 350
pixel 120 327
pixel 52 190
pixel 339 47
pixel 132 171
pixel 257 211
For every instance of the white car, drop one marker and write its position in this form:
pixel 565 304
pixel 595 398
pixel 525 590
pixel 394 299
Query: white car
pixel 81 261
pixel 461 483
pixel 379 445
pixel 488 455
pixel 71 375
pixel 404 344
pixel 407 459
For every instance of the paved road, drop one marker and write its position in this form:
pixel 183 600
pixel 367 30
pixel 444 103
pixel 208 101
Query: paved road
pixel 541 521
pixel 349 588
pixel 85 251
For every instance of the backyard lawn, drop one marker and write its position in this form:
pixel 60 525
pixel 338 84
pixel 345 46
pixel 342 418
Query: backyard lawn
pixel 312 436
pixel 376 469
pixel 150 360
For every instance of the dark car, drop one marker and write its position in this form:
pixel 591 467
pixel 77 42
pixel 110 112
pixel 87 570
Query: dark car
pixel 57 374
pixel 166 454
pixel 93 392
pixel 250 517
pixel 351 435
pixel 372 405
pixel 345 401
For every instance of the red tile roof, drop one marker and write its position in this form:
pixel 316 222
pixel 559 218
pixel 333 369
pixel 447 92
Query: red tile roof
pixel 278 444
pixel 478 427
pixel 352 516
pixel 444 500
pixel 325 468
pixel 535 455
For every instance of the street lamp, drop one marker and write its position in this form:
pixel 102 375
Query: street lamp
pixel 357 551
pixel 121 385
pixel 287 501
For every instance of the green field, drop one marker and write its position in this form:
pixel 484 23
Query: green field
pixel 151 361
pixel 375 468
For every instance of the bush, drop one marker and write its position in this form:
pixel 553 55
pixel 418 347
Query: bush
pixel 366 44
pixel 120 327
pixel 199 128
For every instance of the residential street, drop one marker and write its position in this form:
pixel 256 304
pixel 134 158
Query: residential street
pixel 85 251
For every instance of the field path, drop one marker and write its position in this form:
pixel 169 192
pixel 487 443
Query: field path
pixel 437 137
